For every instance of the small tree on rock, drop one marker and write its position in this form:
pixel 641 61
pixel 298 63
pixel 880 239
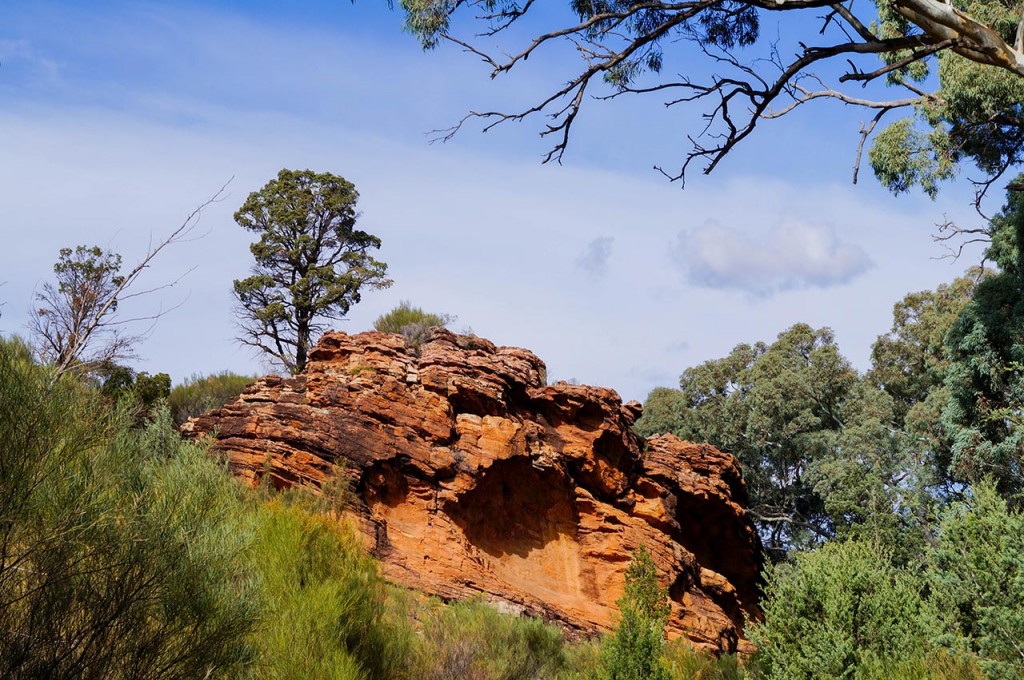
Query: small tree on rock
pixel 311 262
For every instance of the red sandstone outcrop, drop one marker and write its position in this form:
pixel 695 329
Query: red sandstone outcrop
pixel 473 477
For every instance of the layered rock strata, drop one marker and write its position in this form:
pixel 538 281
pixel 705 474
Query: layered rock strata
pixel 472 477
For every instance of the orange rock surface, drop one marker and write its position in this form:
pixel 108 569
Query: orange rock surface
pixel 473 477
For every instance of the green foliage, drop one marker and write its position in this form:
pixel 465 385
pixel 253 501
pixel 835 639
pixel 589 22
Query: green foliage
pixel 830 612
pixel 975 113
pixel 72 326
pixel 201 394
pixel 143 389
pixel 473 640
pixel 325 614
pixel 582 661
pixel 902 156
pixel 779 409
pixel 149 389
pixel 911 363
pixel 985 379
pixel 686 663
pixel 633 651
pixel 827 452
pixel 122 548
pixel 412 322
pixel 663 412
pixel 915 665
pixel 311 262
pixel 977 577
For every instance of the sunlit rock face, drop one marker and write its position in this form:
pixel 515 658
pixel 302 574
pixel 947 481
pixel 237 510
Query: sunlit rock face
pixel 472 477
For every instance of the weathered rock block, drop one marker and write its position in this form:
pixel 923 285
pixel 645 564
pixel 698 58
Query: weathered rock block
pixel 473 477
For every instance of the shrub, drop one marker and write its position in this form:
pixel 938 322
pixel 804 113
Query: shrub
pixel 325 613
pixel 829 610
pixel 201 394
pixel 686 663
pixel 977 577
pixel 633 650
pixel 405 315
pixel 122 549
pixel 909 665
pixel 472 640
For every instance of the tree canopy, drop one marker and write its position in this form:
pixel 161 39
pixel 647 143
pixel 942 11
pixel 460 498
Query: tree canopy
pixel 311 262
pixel 74 324
pixel 985 378
pixel 955 72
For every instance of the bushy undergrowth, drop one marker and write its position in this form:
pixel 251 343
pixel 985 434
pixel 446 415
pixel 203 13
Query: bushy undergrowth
pixel 325 611
pixel 126 552
pixel 201 394
pixel 473 640
pixel 120 549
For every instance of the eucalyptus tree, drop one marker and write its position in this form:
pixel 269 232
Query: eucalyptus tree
pixel 970 111
pixel 985 379
pixel 816 440
pixel 78 325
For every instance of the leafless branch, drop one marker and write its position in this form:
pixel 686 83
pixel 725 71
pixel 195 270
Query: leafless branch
pixel 92 338
pixel 613 45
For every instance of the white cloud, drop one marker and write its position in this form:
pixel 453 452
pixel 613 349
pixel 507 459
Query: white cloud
pixel 594 260
pixel 796 254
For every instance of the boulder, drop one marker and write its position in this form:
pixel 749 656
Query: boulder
pixel 472 477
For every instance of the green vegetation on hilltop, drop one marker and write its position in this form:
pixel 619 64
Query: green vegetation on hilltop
pixel 201 394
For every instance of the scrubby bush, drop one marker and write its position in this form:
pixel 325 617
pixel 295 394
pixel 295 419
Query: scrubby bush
pixel 404 315
pixel 325 610
pixel 977 579
pixel 686 663
pixel 122 549
pixel 633 651
pixel 201 394
pixel 831 610
pixel 937 664
pixel 413 323
pixel 473 641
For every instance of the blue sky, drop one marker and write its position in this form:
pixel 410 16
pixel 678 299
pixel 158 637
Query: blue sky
pixel 120 117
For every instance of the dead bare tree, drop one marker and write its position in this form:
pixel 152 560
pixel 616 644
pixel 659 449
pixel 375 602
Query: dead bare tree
pixel 77 326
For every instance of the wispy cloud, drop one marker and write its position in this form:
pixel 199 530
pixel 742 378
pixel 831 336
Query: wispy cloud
pixel 594 260
pixel 795 254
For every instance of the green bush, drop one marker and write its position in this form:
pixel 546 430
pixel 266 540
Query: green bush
pixel 202 394
pixel 582 661
pixel 412 322
pixel 325 611
pixel 404 315
pixel 633 651
pixel 472 640
pixel 122 550
pixel 977 579
pixel 686 663
pixel 831 609
pixel 910 665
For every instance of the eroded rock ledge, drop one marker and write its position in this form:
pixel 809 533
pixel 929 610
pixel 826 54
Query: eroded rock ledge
pixel 473 477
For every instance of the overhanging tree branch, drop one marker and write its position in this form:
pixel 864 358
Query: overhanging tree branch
pixel 621 42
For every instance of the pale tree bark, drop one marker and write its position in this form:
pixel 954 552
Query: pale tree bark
pixel 81 330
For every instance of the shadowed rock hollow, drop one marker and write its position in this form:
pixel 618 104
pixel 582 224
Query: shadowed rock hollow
pixel 473 477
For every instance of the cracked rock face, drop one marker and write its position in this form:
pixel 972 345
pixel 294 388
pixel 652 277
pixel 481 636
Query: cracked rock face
pixel 473 478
